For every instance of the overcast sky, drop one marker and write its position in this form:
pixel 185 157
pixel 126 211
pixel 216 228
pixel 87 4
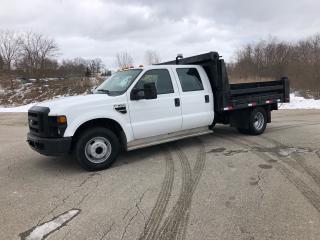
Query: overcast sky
pixel 100 28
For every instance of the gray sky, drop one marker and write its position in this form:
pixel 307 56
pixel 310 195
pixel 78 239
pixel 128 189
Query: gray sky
pixel 100 28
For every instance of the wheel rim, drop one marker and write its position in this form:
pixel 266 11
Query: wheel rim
pixel 98 149
pixel 258 121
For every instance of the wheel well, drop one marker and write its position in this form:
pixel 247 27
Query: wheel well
pixel 112 125
pixel 240 118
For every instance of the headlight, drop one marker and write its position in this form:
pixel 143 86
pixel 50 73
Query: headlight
pixel 57 125
pixel 62 119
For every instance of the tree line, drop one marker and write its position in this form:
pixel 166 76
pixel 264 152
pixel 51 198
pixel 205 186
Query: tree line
pixel 125 60
pixel 33 55
pixel 272 59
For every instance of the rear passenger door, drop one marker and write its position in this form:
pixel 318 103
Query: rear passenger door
pixel 196 98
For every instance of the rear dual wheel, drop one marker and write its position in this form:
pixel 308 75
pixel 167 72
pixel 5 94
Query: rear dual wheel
pixel 257 122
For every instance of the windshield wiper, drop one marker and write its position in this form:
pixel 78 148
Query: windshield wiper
pixel 103 91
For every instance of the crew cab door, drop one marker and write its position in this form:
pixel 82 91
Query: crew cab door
pixel 196 97
pixel 152 117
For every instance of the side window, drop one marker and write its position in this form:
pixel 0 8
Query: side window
pixel 160 77
pixel 190 79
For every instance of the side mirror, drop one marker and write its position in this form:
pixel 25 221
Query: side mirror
pixel 150 90
pixel 136 94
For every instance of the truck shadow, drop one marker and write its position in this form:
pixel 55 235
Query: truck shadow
pixel 65 163
pixel 142 154
pixel 68 163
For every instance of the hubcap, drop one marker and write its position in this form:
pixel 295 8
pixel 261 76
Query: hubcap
pixel 258 121
pixel 98 149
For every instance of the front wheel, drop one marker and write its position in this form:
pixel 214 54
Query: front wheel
pixel 97 149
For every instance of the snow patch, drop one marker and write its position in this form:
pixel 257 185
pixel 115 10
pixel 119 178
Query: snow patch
pixel 45 229
pixel 23 108
pixel 297 102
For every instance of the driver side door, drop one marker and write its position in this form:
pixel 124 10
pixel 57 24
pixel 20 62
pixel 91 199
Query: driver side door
pixel 152 117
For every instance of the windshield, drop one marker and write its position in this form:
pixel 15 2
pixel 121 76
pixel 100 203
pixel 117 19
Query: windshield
pixel 118 83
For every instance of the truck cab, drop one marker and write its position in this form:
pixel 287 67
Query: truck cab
pixel 140 107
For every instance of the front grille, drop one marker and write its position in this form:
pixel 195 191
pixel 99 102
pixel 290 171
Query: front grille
pixel 42 125
pixel 38 120
pixel 34 122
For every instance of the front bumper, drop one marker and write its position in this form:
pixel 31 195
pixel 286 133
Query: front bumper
pixel 49 146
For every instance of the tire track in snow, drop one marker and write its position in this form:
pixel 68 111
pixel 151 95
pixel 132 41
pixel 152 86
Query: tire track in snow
pixel 154 220
pixel 197 173
pixel 312 197
pixel 175 224
pixel 311 171
pixel 170 226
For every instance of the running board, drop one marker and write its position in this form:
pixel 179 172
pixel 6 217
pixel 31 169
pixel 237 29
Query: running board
pixel 150 141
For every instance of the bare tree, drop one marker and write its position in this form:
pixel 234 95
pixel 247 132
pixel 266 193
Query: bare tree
pixel 73 67
pixel 35 50
pixel 1 63
pixel 152 57
pixel 95 65
pixel 10 43
pixel 124 59
pixel 81 67
pixel 272 59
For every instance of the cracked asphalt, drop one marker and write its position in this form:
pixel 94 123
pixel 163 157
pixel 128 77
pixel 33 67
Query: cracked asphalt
pixel 220 186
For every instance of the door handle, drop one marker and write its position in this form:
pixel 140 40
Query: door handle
pixel 177 102
pixel 206 98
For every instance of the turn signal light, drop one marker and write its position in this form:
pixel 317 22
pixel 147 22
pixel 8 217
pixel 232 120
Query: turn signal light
pixel 62 119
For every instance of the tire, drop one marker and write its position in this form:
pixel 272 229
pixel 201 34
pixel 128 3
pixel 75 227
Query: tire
pixel 257 121
pixel 97 148
pixel 212 125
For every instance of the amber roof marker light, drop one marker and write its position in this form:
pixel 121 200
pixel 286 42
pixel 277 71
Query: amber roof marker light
pixel 179 56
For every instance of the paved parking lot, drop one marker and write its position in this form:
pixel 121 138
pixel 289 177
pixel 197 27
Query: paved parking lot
pixel 219 186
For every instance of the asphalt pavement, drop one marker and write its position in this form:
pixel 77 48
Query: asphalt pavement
pixel 219 186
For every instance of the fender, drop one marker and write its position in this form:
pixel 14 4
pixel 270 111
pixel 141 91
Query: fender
pixel 76 122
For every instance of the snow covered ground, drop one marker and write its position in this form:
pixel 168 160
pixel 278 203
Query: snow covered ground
pixel 300 103
pixel 295 103
pixel 23 108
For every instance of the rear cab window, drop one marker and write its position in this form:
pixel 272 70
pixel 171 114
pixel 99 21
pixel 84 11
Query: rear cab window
pixel 189 79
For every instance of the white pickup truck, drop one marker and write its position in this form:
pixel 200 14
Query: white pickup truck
pixel 140 107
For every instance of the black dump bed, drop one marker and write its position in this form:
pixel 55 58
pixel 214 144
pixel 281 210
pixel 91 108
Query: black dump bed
pixel 236 96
